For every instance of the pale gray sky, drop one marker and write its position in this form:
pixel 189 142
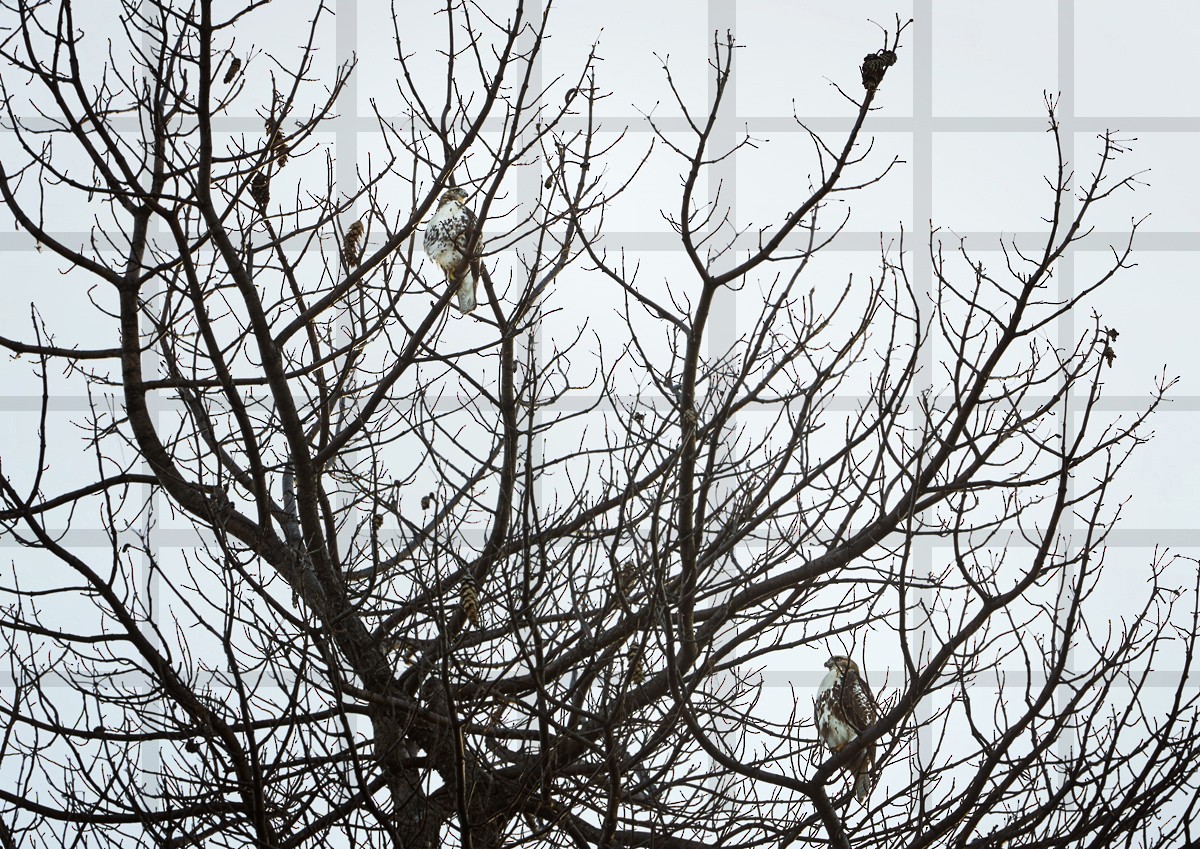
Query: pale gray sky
pixel 964 109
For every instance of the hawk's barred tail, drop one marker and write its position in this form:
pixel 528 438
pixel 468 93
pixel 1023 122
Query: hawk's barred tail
pixel 862 780
pixel 466 293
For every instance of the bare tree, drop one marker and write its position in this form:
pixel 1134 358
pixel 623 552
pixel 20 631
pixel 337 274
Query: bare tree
pixel 374 574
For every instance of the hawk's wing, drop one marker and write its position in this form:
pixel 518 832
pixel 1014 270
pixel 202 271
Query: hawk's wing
pixel 458 227
pixel 856 701
pixel 467 223
pixel 822 708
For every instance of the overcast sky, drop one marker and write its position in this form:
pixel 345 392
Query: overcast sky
pixel 964 109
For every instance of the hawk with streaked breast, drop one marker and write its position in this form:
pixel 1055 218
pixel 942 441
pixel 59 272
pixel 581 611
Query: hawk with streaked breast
pixel 445 243
pixel 843 708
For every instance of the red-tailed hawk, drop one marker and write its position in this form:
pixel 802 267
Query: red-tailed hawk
pixel 445 243
pixel 843 708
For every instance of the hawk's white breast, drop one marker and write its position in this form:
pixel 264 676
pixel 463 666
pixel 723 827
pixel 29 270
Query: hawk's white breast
pixel 445 230
pixel 834 731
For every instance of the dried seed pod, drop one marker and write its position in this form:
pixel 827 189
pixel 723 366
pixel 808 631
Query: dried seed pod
pixel 1106 338
pixel 404 649
pixel 469 600
pixel 280 149
pixel 874 66
pixel 497 714
pixel 872 71
pixel 260 190
pixel 351 252
pixel 276 146
pixel 637 664
pixel 627 578
pixel 234 67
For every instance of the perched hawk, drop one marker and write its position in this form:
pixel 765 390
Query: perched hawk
pixel 844 707
pixel 445 243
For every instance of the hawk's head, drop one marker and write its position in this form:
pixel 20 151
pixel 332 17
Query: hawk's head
pixel 453 194
pixel 841 663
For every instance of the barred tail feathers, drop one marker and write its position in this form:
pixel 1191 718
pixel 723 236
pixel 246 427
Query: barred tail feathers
pixel 863 779
pixel 466 292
